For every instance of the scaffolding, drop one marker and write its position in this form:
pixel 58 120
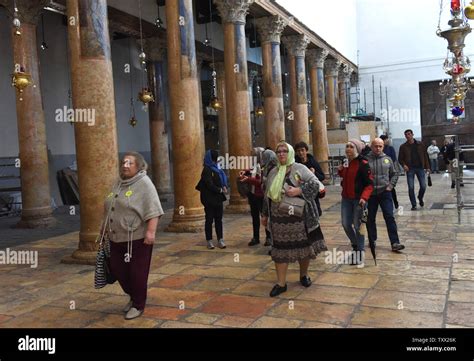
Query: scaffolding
pixel 458 167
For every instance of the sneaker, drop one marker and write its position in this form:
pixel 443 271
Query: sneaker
pixel 128 306
pixel 221 244
pixel 277 289
pixel 254 242
pixel 397 247
pixel 133 313
pixel 361 265
pixel 305 281
pixel 210 245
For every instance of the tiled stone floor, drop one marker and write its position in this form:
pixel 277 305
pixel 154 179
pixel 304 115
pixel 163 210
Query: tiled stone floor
pixel 430 284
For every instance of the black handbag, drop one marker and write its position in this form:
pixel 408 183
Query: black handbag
pixel 103 275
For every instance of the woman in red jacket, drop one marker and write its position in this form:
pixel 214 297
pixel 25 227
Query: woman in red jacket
pixel 357 186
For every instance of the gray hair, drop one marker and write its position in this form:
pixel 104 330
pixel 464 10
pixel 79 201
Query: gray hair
pixel 141 162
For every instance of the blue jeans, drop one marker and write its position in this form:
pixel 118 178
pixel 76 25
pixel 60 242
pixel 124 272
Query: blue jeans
pixel 385 201
pixel 420 174
pixel 351 222
pixel 434 165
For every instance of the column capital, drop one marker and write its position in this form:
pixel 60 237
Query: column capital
pixel 317 57
pixel 296 44
pixel 270 28
pixel 233 11
pixel 155 48
pixel 29 11
pixel 332 66
pixel 345 73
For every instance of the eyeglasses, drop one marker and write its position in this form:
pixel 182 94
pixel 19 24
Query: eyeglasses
pixel 282 151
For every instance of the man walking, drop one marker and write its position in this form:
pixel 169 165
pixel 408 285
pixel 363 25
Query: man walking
pixel 390 151
pixel 414 160
pixel 385 179
pixel 433 154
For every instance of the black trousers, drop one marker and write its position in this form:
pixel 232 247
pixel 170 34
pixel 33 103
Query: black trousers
pixel 214 214
pixel 256 205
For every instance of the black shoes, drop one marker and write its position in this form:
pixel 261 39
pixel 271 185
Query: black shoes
pixel 254 242
pixel 453 185
pixel 413 208
pixel 422 204
pixel 305 281
pixel 268 242
pixel 277 290
pixel 397 247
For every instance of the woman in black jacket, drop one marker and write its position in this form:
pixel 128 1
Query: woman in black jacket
pixel 213 186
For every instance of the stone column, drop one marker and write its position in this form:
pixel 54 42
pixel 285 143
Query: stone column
pixel 233 13
pixel 185 119
pixel 222 115
pixel 344 88
pixel 96 144
pixel 316 58
pixel 155 50
pixel 34 173
pixel 270 29
pixel 199 62
pixel 332 73
pixel 296 46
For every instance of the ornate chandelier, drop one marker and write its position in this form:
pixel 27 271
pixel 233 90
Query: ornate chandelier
pixel 456 65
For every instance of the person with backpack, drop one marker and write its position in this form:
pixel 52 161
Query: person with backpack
pixel 213 186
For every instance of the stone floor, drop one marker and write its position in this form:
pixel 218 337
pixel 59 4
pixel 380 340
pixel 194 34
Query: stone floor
pixel 430 284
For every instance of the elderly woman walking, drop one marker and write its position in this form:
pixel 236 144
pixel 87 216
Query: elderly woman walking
pixel 132 212
pixel 292 217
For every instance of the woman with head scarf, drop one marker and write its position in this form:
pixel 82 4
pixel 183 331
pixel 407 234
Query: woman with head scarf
pixel 296 233
pixel 131 219
pixel 254 178
pixel 357 186
pixel 213 187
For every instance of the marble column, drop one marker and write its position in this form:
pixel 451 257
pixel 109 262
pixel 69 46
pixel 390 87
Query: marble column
pixel 200 58
pixel 345 74
pixel 34 170
pixel 185 118
pixel 316 58
pixel 222 114
pixel 332 93
pixel 270 29
pixel 155 49
pixel 96 142
pixel 296 46
pixel 233 13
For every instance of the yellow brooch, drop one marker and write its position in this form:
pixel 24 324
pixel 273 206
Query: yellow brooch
pixel 386 160
pixel 129 193
pixel 111 194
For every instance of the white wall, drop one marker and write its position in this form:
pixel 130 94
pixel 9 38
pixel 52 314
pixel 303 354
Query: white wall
pixel 334 21
pixel 401 54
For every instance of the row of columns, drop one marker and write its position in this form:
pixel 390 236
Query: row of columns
pixel 92 88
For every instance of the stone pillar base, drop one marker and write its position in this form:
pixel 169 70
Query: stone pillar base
pixel 81 257
pixel 36 221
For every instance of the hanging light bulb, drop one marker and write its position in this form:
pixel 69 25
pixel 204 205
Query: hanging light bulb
pixel 207 42
pixel 215 103
pixel 259 111
pixel 142 57
pixel 159 22
pixel 20 80
pixel 44 46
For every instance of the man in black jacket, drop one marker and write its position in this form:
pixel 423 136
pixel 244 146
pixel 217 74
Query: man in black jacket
pixel 302 156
